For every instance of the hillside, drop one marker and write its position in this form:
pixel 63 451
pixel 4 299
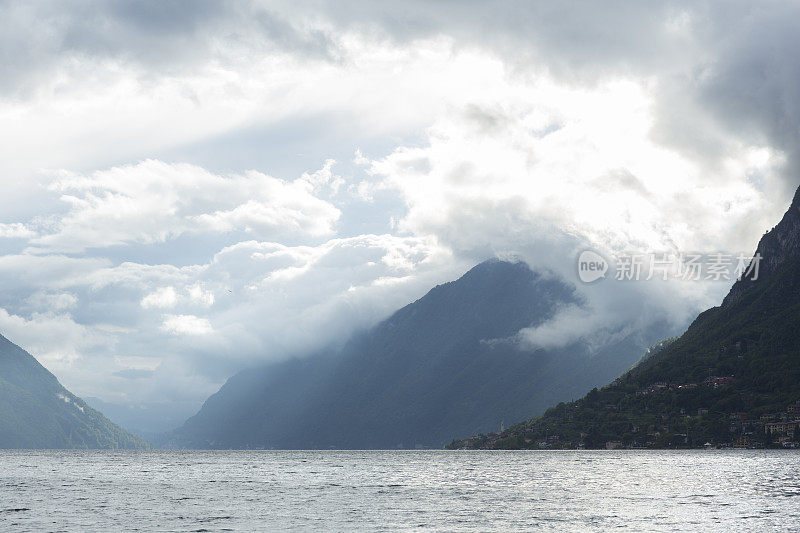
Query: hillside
pixel 37 412
pixel 444 364
pixel 731 379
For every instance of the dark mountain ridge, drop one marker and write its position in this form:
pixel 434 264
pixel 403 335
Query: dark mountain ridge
pixel 778 245
pixel 731 379
pixel 445 362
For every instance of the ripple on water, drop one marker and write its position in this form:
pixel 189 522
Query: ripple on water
pixel 389 490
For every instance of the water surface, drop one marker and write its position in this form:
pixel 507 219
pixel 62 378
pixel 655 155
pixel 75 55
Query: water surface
pixel 745 490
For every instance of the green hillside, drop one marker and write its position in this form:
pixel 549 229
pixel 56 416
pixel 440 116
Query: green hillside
pixel 37 412
pixel 732 379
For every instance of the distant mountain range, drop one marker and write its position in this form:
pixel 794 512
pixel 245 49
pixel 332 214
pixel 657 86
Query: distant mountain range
pixel 148 420
pixel 444 365
pixel 732 379
pixel 37 412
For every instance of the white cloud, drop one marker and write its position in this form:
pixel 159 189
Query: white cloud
pixel 47 271
pixel 153 202
pixel 58 301
pixel 324 177
pixel 274 300
pixel 201 296
pixel 186 325
pixel 164 297
pixel 495 176
pixel 53 338
pixel 15 230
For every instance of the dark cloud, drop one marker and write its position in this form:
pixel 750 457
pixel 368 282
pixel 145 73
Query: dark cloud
pixel 715 66
pixel 44 39
pixel 753 86
pixel 575 39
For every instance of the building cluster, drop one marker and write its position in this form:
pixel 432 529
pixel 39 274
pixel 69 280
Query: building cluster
pixel 661 386
pixel 771 428
pixel 782 428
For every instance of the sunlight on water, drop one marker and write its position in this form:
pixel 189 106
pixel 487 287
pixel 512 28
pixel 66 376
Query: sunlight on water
pixel 391 490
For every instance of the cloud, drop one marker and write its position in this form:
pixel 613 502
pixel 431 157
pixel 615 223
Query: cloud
pixel 53 271
pixel 316 296
pixel 58 301
pixel 165 297
pixel 732 65
pixel 15 231
pixel 186 325
pixel 561 169
pixel 586 166
pixel 252 301
pixel 163 37
pixel 199 295
pixel 153 202
pixel 197 216
pixel 56 338
pixel 751 85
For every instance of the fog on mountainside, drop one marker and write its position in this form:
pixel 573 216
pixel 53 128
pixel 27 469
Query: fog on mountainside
pixel 446 363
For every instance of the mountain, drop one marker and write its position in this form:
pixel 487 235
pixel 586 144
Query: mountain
pixel 147 420
pixel 447 363
pixel 37 412
pixel 733 378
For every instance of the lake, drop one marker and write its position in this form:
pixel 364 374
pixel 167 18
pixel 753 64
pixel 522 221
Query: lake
pixel 738 490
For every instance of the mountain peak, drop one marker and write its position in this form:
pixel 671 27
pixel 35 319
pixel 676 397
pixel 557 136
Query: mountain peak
pixel 442 365
pixel 496 264
pixel 776 246
pixel 495 298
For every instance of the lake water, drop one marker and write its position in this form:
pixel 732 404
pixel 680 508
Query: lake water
pixel 399 490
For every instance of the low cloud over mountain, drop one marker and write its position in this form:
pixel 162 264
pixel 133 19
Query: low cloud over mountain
pixel 198 187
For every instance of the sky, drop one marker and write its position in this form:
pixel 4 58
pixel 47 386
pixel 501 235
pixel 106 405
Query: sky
pixel 190 188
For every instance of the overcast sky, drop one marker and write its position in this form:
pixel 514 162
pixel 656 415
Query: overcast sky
pixel 192 187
